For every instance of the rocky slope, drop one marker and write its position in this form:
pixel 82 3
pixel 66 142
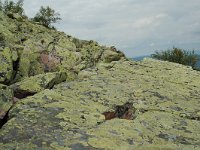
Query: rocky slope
pixel 58 92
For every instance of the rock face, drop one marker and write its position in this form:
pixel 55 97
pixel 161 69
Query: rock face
pixel 6 101
pixel 31 49
pixel 6 66
pixel 75 94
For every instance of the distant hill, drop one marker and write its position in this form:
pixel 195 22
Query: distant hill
pixel 140 57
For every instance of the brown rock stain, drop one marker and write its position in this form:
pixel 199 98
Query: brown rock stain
pixel 125 111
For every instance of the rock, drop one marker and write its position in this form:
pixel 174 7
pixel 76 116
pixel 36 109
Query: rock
pixel 32 85
pixel 6 101
pixel 6 65
pixel 63 86
pixel 126 111
pixel 70 114
pixel 15 16
pixel 110 56
pixel 2 41
pixel 41 50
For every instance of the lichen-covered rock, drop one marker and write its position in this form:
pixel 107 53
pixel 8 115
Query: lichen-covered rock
pixel 110 56
pixel 6 101
pixel 15 16
pixel 6 65
pixel 70 116
pixel 106 102
pixel 42 50
pixel 35 84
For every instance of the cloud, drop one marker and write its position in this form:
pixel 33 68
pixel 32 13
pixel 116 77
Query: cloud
pixel 130 25
pixel 149 21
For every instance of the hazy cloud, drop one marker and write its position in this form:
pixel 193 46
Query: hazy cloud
pixel 137 27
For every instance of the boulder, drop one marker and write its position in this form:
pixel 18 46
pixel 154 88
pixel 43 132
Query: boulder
pixel 15 16
pixel 110 56
pixel 6 65
pixel 32 85
pixel 6 101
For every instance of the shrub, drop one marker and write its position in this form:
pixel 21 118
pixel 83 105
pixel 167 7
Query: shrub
pixel 47 16
pixel 1 5
pixel 177 55
pixel 12 7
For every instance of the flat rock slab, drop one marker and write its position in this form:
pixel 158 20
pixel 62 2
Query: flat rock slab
pixel 70 116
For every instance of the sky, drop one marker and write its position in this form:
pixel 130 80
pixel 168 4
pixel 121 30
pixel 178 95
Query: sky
pixel 136 27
